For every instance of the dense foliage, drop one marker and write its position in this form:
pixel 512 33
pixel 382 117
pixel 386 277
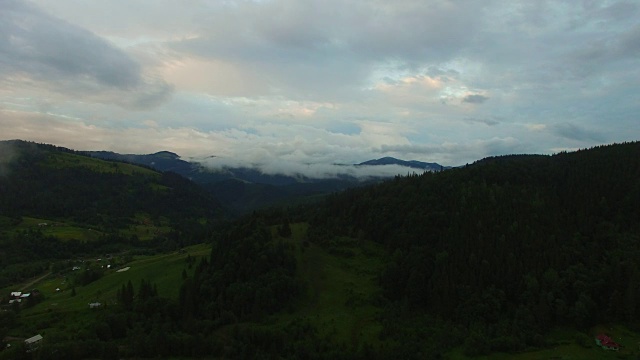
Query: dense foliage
pixel 508 247
pixel 44 181
pixel 490 256
pixel 53 183
pixel 248 276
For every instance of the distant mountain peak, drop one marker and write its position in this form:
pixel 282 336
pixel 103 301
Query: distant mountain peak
pixel 414 164
pixel 167 154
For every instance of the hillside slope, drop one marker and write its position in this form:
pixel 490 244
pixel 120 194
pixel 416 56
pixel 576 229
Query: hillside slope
pixel 57 204
pixel 499 256
pixel 508 247
pixel 47 181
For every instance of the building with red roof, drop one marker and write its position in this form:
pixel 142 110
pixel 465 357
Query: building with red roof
pixel 607 343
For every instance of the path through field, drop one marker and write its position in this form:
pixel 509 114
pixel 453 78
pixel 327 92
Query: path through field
pixel 30 284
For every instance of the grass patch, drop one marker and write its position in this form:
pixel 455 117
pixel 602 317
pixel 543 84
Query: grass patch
pixel 566 344
pixel 60 229
pixel 143 227
pixel 60 307
pixel 66 160
pixel 341 286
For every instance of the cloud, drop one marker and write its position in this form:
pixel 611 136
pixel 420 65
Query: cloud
pixel 489 122
pixel 576 132
pixel 475 99
pixel 327 49
pixel 38 50
pixel 288 82
pixel 313 171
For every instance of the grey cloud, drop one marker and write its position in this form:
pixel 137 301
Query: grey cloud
pixel 71 59
pixel 38 44
pixel 150 96
pixel 630 43
pixel 486 121
pixel 576 132
pixel 328 48
pixel 618 11
pixel 414 31
pixel 475 99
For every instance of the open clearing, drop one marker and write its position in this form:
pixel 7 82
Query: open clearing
pixel 564 347
pixel 60 308
pixel 341 286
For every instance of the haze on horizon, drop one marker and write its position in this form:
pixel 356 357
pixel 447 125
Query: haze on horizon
pixel 320 82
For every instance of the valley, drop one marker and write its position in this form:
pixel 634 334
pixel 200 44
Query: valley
pixel 524 257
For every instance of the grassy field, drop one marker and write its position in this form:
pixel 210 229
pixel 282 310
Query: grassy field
pixel 146 228
pixel 341 288
pixel 60 307
pixel 143 227
pixel 65 160
pixel 59 229
pixel 340 282
pixel 341 285
pixel 564 346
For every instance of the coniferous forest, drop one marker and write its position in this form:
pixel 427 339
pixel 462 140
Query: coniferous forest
pixel 489 257
pixel 509 247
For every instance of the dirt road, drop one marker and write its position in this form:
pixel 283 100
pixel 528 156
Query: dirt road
pixel 30 284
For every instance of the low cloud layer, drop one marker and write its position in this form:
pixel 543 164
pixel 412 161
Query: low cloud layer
pixel 283 84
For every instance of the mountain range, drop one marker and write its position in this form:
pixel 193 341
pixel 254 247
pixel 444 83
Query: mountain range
pixel 245 189
pixel 518 256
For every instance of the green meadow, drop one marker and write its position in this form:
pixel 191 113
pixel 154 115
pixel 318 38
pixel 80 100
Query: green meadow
pixel 570 344
pixel 60 160
pixel 141 226
pixel 340 300
pixel 63 230
pixel 341 288
pixel 61 307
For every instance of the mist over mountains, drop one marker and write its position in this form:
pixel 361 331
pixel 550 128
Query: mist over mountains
pixel 205 170
pixel 488 258
pixel 244 188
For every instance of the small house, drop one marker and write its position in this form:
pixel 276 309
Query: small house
pixel 33 342
pixel 94 305
pixel 607 343
pixel 16 293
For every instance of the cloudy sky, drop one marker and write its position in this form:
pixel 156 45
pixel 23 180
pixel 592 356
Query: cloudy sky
pixel 321 82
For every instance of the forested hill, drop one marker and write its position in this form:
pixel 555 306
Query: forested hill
pixel 507 247
pixel 486 258
pixel 57 183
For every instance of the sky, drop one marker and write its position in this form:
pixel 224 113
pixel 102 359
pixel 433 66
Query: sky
pixel 297 83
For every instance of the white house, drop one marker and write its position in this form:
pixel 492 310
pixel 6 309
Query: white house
pixel 94 305
pixel 33 342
